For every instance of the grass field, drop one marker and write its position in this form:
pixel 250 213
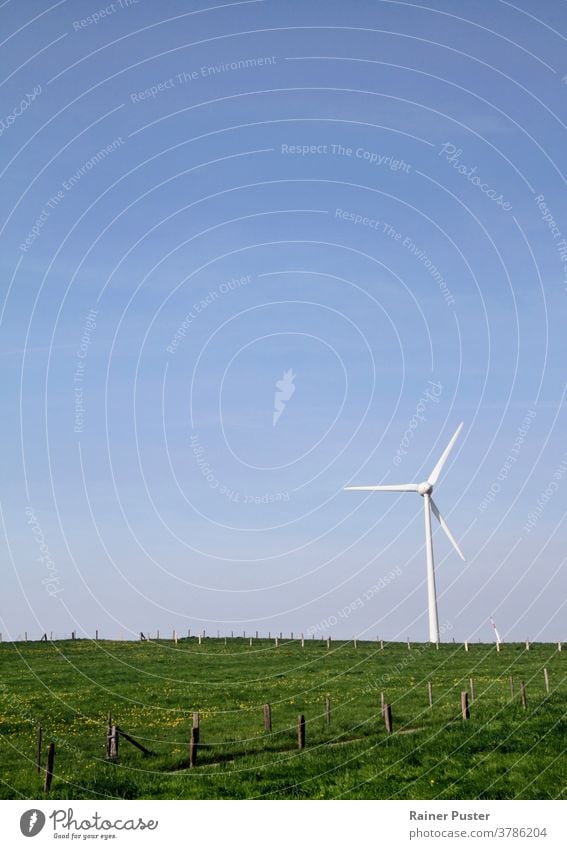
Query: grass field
pixel 502 752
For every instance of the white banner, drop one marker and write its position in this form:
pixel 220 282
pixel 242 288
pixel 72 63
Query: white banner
pixel 285 824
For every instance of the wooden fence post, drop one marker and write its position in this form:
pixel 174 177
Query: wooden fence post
pixel 382 702
pixel 430 693
pixel 38 750
pixel 546 679
pixel 471 684
pixel 114 735
pixel 511 680
pixel 267 717
pixel 193 746
pixel 49 767
pixel 108 734
pixel 523 695
pixel 328 710
pixel 465 705
pixel 388 718
pixel 197 724
pixel 300 732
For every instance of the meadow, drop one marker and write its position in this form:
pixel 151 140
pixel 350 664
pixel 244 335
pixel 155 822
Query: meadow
pixel 503 751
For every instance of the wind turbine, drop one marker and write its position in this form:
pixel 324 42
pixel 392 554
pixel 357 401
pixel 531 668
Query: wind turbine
pixel 425 489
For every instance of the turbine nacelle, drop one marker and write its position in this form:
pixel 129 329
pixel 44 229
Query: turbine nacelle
pixel 425 488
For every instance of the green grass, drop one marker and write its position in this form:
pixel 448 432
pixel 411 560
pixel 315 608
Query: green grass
pixel 502 752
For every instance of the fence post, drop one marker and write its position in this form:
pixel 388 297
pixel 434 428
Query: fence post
pixel 193 746
pixel 38 750
pixel 430 693
pixel 300 732
pixel 328 710
pixel 546 679
pixel 465 705
pixel 114 735
pixel 388 717
pixel 523 695
pixel 49 767
pixel 382 702
pixel 267 717
pixel 108 734
pixel 471 683
pixel 197 724
pixel 511 680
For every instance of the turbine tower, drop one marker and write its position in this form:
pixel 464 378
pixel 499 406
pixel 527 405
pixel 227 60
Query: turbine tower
pixel 425 489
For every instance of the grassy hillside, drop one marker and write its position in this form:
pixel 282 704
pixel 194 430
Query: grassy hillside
pixel 501 752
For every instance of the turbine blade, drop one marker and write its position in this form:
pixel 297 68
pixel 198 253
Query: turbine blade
pixel 443 524
pixel 434 476
pixel 401 487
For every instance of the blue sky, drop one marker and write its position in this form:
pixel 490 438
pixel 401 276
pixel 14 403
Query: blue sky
pixel 199 198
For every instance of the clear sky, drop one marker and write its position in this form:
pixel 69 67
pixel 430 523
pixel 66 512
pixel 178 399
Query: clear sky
pixel 363 203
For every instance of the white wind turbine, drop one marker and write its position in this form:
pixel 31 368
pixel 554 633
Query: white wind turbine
pixel 425 489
